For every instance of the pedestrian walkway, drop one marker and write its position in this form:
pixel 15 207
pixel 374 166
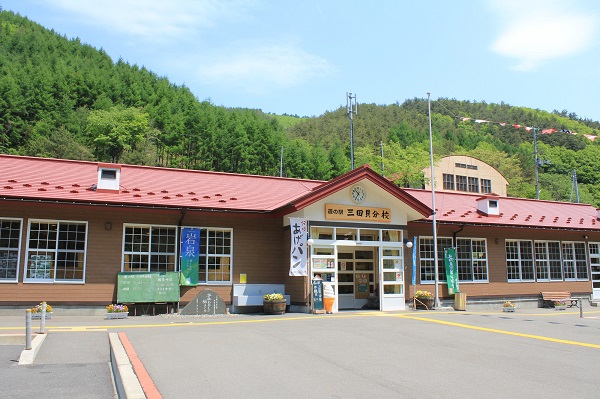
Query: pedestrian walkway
pixel 73 365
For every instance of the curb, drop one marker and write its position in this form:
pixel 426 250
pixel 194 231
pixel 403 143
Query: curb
pixel 28 355
pixel 127 384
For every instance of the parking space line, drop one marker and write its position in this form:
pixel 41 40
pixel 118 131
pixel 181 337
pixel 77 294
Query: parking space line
pixel 505 332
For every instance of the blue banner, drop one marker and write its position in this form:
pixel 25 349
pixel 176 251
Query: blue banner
pixel 190 253
pixel 414 261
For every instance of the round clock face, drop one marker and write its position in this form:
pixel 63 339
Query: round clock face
pixel 358 194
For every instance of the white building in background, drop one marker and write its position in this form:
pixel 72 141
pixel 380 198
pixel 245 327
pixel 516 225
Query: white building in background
pixel 461 173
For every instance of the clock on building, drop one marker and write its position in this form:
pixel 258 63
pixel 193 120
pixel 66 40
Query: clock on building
pixel 358 194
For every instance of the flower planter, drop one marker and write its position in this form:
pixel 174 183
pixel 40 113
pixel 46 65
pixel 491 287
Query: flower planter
pixel 508 309
pixel 560 307
pixel 424 303
pixel 117 315
pixel 38 316
pixel 276 306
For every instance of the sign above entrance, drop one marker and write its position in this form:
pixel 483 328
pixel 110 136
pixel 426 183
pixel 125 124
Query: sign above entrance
pixel 362 213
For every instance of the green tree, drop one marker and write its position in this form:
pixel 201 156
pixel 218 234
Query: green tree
pixel 117 130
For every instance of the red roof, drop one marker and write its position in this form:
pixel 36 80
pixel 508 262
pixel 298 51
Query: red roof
pixel 72 181
pixel 462 208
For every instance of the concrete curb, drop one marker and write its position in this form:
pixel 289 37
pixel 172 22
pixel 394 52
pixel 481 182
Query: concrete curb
pixel 28 355
pixel 126 381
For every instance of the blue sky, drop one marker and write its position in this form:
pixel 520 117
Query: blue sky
pixel 302 57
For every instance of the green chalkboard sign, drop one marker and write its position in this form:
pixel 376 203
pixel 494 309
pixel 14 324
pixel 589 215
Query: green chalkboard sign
pixel 135 287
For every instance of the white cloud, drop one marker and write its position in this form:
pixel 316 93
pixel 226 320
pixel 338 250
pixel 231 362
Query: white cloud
pixel 258 69
pixel 537 31
pixel 154 19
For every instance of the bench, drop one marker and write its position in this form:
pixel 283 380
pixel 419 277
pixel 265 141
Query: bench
pixel 550 297
pixel 252 294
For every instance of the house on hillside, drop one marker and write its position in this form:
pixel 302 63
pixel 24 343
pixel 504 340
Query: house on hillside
pixel 73 233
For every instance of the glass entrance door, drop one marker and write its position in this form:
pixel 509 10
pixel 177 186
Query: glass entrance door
pixel 391 272
pixel 356 277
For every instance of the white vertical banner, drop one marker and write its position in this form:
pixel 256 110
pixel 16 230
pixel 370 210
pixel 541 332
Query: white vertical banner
pixel 299 247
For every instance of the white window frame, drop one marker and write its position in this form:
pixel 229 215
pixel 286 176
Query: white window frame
pixel 427 261
pixel 205 257
pixel 546 261
pixel 577 263
pixel 9 250
pixel 472 261
pixel 149 253
pixel 520 260
pixel 54 251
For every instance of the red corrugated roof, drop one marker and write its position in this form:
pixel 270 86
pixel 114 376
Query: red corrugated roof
pixel 462 208
pixel 63 180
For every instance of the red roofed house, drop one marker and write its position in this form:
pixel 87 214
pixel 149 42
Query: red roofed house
pixel 70 231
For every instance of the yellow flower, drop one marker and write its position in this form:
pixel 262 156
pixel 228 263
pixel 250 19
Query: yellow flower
pixel 273 297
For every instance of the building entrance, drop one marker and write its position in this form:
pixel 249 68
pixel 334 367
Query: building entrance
pixel 357 274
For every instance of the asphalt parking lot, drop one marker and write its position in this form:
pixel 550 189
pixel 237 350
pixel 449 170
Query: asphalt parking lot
pixel 535 353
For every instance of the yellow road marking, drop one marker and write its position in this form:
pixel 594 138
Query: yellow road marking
pixel 493 330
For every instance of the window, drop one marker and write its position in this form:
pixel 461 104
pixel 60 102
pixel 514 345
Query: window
pixel 519 260
pixel 473 184
pixel 461 183
pixel 108 174
pixel 448 181
pixel 548 265
pixel 554 260
pixel 56 251
pixel 471 255
pixel 216 249
pixel 427 270
pixel 574 261
pixel 149 249
pixel 10 238
pixel 486 186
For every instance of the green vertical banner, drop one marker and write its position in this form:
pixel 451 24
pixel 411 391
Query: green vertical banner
pixel 451 270
pixel 190 253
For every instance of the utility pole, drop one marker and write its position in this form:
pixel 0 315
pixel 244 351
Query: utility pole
pixel 574 187
pixel 537 165
pixel 382 163
pixel 281 163
pixel 435 247
pixel 351 109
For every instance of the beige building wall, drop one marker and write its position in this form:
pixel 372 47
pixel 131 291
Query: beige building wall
pixel 462 165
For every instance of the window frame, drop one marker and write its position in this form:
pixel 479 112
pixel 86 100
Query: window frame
pixel 462 183
pixel 448 181
pixel 473 184
pixel 486 186
pixel 573 260
pixel 149 253
pixel 56 251
pixel 471 262
pixel 204 243
pixel 9 249
pixel 426 262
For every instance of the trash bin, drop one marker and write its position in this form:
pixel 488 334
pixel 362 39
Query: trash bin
pixel 460 301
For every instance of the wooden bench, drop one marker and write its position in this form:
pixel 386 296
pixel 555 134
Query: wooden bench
pixel 550 297
pixel 252 294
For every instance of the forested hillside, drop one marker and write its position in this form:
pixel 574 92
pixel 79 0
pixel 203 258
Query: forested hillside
pixel 65 99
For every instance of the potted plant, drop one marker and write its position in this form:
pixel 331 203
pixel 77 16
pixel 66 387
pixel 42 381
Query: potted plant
pixel 560 305
pixel 116 311
pixel 274 303
pixel 508 307
pixel 423 299
pixel 36 311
